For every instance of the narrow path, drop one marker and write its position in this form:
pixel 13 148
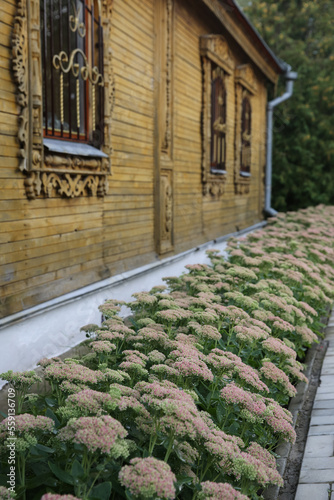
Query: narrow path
pixel 316 480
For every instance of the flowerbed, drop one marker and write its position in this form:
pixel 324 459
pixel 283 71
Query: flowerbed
pixel 187 398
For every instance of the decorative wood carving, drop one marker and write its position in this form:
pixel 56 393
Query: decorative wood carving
pixel 244 75
pixel 20 70
pixel 214 50
pixel 245 87
pixel 167 133
pixel 163 137
pixel 166 213
pixel 43 176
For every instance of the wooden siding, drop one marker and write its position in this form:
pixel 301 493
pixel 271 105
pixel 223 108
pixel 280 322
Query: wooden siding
pixel 51 246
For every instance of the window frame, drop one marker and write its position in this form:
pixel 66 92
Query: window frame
pixel 245 88
pixel 214 52
pixel 48 173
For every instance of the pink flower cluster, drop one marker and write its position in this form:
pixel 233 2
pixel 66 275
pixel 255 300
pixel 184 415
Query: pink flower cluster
pixel 89 401
pixel 55 496
pixel 255 469
pixel 225 449
pixel 205 332
pixel 262 454
pixel 170 409
pixel 275 374
pixel 219 491
pixel 21 379
pixel 26 423
pixel 148 477
pixel 73 372
pixel 225 362
pixel 104 434
pixel 188 361
pixel 102 346
pixel 6 494
pixel 277 346
pixel 261 409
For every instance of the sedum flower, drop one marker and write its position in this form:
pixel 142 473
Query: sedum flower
pixel 277 346
pixel 242 272
pixel 103 434
pixel 205 332
pixel 147 478
pixel 21 380
pixel 249 466
pixel 55 496
pixel 276 375
pixel 223 448
pixel 73 373
pixel 219 491
pixel 26 422
pixel 189 362
pixel 169 409
pixel 262 454
pixel 102 346
pixel 307 335
pixel 156 356
pixel 91 402
pixel 6 494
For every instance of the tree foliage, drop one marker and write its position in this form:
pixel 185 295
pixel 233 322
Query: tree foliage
pixel 301 33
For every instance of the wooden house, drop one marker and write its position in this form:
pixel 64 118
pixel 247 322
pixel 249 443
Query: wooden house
pixel 130 131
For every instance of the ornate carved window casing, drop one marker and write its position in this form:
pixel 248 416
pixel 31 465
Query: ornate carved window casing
pixel 52 163
pixel 217 67
pixel 245 89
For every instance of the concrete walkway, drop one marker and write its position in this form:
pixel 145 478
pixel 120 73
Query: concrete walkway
pixel 316 480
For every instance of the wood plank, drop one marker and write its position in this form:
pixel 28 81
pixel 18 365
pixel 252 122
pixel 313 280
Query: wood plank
pixel 137 9
pixel 46 223
pixel 128 24
pixel 29 298
pixel 55 242
pixel 141 76
pixel 135 121
pixel 131 145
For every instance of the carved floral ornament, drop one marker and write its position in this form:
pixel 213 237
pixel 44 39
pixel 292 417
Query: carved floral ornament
pixel 55 174
pixel 214 51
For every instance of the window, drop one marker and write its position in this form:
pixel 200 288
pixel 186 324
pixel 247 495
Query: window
pixel 63 69
pixel 218 122
pixel 246 116
pixel 245 90
pixel 72 70
pixel 217 68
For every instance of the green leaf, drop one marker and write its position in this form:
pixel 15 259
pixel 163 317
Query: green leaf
pixel 101 491
pixel 51 402
pixel 181 480
pixel 64 476
pixel 46 449
pixel 49 413
pixel 46 479
pixel 220 413
pixel 77 470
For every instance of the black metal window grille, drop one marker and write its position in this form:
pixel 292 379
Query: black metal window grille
pixel 72 63
pixel 218 121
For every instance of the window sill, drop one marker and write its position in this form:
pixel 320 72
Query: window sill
pixel 245 174
pixel 72 148
pixel 218 172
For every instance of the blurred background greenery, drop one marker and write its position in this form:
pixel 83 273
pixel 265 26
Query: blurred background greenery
pixel 302 34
